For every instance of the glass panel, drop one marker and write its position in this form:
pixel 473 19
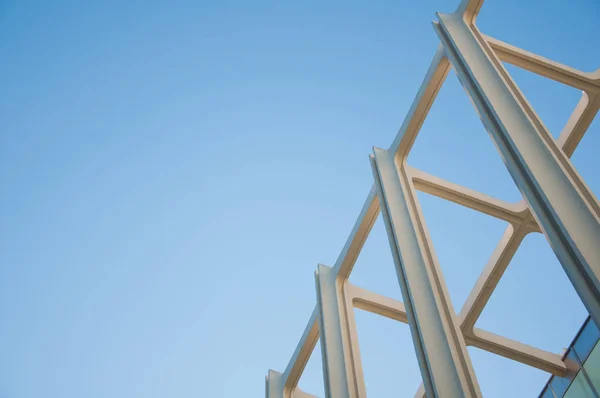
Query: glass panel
pixel 586 340
pixel 561 384
pixel 592 367
pixel 580 388
pixel 547 393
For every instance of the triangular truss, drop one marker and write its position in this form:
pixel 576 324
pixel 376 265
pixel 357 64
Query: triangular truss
pixel 556 203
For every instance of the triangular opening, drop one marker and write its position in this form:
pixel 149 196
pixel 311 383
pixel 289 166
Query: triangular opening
pixel 534 302
pixel 388 357
pixel 311 380
pixel 501 377
pixel 453 144
pixel 463 240
pixel 374 269
pixel 553 102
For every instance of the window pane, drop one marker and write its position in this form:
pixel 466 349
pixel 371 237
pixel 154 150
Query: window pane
pixel 580 388
pixel 547 393
pixel 586 340
pixel 561 384
pixel 592 367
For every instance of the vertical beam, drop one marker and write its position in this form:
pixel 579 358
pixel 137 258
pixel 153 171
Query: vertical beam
pixel 338 372
pixel 441 351
pixel 274 384
pixel 564 208
pixel 348 294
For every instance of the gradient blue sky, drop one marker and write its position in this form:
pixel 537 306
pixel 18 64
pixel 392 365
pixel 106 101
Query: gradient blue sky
pixel 173 171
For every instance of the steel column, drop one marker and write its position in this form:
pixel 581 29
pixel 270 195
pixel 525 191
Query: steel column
pixel 565 209
pixel 338 371
pixel 440 346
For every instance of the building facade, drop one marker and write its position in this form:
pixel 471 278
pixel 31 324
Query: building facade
pixel 556 202
pixel 582 379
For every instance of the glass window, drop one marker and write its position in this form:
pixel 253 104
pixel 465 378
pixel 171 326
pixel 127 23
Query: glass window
pixel 561 384
pixel 587 340
pixel 547 393
pixel 580 388
pixel 592 367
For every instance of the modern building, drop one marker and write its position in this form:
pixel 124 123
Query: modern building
pixel 556 202
pixel 582 379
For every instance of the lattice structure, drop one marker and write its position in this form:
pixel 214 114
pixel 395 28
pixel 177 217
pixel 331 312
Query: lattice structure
pixel 556 202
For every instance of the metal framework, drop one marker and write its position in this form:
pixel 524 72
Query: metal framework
pixel 556 202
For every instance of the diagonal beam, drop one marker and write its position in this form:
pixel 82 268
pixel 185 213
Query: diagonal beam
pixel 489 278
pixel 438 70
pixel 343 267
pixel 514 350
pixel 510 212
pixel 376 303
pixel 579 122
pixel 544 175
pixel 393 309
pixel 439 344
pixel 301 355
pixel 358 235
pixel 508 245
pixel 543 66
pixel 570 137
pixel 517 351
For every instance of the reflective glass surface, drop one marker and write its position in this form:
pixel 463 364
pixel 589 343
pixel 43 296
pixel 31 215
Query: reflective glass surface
pixel 592 367
pixel 561 384
pixel 586 340
pixel 547 393
pixel 580 388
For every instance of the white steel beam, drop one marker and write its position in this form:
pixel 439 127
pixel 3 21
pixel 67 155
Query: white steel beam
pixel 338 371
pixel 436 74
pixel 543 173
pixel 564 207
pixel 510 212
pixel 517 351
pixel 301 355
pixel 544 67
pixel 366 219
pixel 375 303
pixel 578 123
pixel 393 309
pixel 343 267
pixel 489 278
pixel 441 351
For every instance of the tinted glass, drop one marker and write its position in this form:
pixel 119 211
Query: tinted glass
pixel 586 340
pixel 580 388
pixel 547 393
pixel 561 384
pixel 592 367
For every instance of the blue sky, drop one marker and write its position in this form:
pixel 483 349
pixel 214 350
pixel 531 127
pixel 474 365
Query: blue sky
pixel 172 173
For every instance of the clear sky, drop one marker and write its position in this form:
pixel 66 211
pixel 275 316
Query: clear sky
pixel 173 171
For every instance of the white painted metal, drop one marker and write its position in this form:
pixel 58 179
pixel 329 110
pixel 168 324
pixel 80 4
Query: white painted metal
pixel 565 209
pixel 338 371
pixel 556 201
pixel 441 351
